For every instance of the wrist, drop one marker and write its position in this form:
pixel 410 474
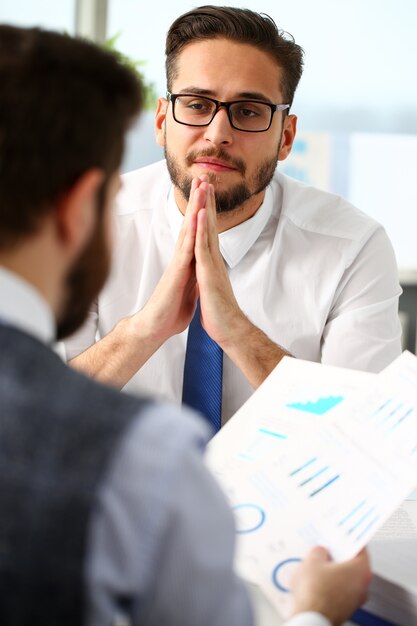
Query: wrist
pixel 137 334
pixel 235 331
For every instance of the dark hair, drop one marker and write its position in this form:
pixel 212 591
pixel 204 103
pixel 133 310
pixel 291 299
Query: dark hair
pixel 65 105
pixel 241 25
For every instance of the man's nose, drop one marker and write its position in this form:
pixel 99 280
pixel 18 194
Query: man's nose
pixel 219 131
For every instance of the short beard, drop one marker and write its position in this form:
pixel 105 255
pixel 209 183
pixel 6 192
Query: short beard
pixel 84 281
pixel 236 196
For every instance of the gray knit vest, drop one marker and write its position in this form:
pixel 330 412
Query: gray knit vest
pixel 58 434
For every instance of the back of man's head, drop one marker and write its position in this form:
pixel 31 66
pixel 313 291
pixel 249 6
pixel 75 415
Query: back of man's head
pixel 243 26
pixel 65 106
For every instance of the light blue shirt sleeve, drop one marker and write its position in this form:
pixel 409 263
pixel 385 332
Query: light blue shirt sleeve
pixel 308 619
pixel 161 539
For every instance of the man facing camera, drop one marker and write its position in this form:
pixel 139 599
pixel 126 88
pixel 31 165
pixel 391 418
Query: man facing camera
pixel 289 269
pixel 108 514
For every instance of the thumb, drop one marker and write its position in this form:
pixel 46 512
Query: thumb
pixel 318 554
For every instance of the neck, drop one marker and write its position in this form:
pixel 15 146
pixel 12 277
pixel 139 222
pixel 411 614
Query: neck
pixel 31 262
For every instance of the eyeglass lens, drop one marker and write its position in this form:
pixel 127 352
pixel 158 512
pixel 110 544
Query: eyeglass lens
pixel 198 111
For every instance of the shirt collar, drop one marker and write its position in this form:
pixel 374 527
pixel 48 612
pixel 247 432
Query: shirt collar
pixel 235 242
pixel 23 307
pixel 174 215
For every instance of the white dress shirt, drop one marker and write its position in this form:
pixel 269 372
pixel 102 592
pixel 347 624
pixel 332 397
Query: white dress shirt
pixel 315 274
pixel 161 529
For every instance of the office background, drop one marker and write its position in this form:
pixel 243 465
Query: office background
pixel 356 104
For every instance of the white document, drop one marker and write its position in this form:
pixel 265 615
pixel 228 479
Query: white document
pixel 318 455
pixel 393 552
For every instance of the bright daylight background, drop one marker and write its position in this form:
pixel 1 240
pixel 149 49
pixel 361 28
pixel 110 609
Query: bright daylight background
pixel 357 100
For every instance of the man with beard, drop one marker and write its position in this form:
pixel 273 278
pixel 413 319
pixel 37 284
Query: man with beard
pixel 293 270
pixel 108 515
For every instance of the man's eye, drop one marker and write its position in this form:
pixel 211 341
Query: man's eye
pixel 198 106
pixel 247 112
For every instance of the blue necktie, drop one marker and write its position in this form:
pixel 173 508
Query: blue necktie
pixel 203 370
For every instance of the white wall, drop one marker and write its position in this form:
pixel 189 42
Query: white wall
pixel 358 92
pixel 356 104
pixel 54 14
pixel 360 55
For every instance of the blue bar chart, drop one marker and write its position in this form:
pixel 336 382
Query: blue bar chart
pixel 317 407
pixel 315 476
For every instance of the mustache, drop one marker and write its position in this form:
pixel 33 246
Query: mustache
pixel 216 154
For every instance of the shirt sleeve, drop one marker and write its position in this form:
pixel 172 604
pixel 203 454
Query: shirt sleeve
pixel 308 619
pixel 363 328
pixel 162 535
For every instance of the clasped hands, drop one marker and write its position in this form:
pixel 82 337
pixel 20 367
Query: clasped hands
pixel 196 270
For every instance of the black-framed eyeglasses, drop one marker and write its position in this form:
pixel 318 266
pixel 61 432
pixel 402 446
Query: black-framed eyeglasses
pixel 250 116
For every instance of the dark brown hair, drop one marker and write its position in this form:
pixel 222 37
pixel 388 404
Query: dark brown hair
pixel 241 25
pixel 65 106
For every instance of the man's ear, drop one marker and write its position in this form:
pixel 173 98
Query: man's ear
pixel 76 211
pixel 288 136
pixel 160 116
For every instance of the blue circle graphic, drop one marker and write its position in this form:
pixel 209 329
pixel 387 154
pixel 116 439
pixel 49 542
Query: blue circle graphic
pixel 255 523
pixel 275 578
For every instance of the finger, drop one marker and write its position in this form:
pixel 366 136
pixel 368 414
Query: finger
pixel 363 554
pixel 362 563
pixel 196 201
pixel 211 202
pixel 195 183
pixel 188 210
pixel 199 198
pixel 213 239
pixel 187 243
pixel 201 240
pixel 318 554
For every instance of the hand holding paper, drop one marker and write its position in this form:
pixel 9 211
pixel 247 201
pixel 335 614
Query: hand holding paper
pixel 317 456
